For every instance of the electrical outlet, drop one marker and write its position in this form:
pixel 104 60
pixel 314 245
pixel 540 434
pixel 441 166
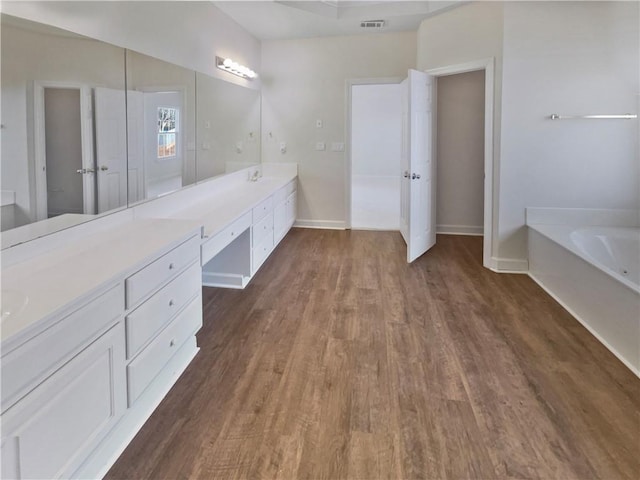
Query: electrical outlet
pixel 320 146
pixel 283 147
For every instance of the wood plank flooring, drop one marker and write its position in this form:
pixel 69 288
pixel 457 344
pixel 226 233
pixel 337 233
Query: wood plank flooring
pixel 340 361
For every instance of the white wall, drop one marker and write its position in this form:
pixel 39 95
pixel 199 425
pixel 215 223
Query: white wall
pixel 376 147
pixel 465 34
pixel 460 153
pixel 189 34
pixel 305 80
pixel 551 57
pixel 568 58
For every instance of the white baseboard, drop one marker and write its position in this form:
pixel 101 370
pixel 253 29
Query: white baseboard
pixel 325 224
pixel 460 230
pixel 509 265
pixel 224 280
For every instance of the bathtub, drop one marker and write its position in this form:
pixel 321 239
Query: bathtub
pixel 594 273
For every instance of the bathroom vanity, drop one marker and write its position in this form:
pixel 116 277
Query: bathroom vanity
pixel 99 320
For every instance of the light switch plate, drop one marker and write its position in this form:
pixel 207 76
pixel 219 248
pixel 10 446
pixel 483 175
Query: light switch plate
pixel 319 123
pixel 337 146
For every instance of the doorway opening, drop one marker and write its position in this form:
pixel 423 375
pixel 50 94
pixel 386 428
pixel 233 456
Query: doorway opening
pixel 485 68
pixel 63 151
pixel 460 153
pixel 64 159
pixel 375 148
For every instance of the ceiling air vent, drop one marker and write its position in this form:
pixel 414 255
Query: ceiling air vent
pixel 372 24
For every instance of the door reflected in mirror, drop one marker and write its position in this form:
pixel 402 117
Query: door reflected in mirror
pixel 161 127
pixel 228 127
pixel 63 132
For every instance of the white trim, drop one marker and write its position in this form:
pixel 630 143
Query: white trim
pixel 460 230
pixel 508 265
pixel 322 224
pixel 490 192
pixel 347 169
pixel 224 280
pixel 584 324
pixel 372 229
pixel 582 216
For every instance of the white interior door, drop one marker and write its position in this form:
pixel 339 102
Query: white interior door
pixel 417 188
pixel 404 162
pixel 111 148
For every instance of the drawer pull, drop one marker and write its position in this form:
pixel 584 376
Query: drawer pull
pixel 232 234
pixel 171 266
pixel 172 342
pixel 171 303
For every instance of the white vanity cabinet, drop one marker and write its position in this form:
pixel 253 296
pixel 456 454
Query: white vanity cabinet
pixel 272 219
pixel 51 430
pixel 235 252
pixel 284 212
pixel 79 382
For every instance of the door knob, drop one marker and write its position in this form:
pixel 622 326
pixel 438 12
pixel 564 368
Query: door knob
pixel 406 174
pixel 104 168
pixel 415 176
pixel 85 170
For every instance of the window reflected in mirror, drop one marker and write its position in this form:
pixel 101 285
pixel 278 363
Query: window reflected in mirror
pixel 161 127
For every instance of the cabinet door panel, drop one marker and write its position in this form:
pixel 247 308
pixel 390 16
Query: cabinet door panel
pixel 26 366
pixel 53 428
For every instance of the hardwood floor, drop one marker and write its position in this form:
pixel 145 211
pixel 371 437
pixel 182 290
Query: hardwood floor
pixel 341 361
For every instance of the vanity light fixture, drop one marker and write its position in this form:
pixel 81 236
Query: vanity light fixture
pixel 230 66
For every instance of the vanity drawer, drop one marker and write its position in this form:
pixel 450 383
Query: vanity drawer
pixel 142 283
pixel 262 251
pixel 144 368
pixel 262 209
pixel 263 228
pixel 215 244
pixel 28 365
pixel 149 318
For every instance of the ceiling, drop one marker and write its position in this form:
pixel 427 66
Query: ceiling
pixel 271 19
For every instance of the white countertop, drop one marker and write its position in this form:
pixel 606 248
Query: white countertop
pixel 72 273
pixel 220 209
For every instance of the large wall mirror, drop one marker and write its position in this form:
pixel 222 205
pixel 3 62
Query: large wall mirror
pixel 228 131
pixel 80 140
pixel 63 124
pixel 161 123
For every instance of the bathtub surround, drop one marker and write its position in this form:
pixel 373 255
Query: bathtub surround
pixel 589 261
